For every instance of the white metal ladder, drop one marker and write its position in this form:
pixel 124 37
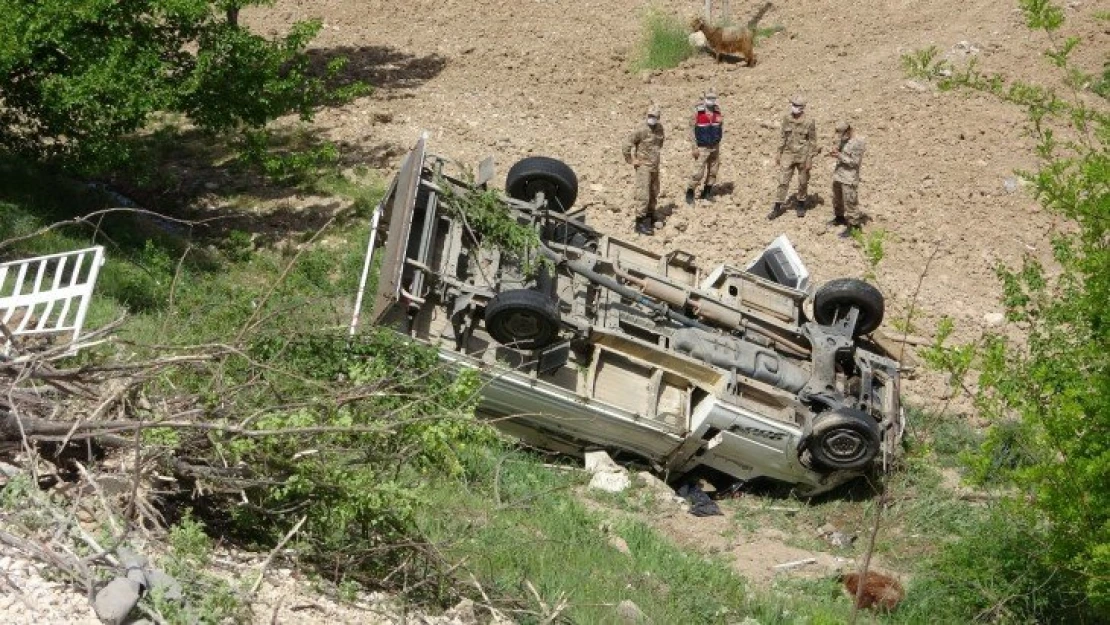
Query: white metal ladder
pixel 48 295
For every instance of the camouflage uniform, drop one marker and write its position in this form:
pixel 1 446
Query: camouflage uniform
pixel 706 130
pixel 799 144
pixel 642 149
pixel 849 159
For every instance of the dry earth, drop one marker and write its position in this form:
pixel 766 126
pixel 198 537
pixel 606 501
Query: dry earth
pixel 547 77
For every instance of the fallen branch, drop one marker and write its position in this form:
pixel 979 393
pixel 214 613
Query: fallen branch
pixel 269 558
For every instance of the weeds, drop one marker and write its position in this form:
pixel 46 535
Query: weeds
pixel 665 42
pixel 923 64
pixel 762 33
pixel 871 244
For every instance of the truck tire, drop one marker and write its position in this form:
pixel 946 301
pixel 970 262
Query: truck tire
pixel 537 174
pixel 844 439
pixel 836 297
pixel 523 319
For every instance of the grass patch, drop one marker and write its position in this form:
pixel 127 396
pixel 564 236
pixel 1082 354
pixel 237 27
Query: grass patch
pixel 518 522
pixel 769 31
pixel 665 42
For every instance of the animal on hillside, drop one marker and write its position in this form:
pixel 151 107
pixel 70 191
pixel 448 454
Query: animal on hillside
pixel 732 40
pixel 881 591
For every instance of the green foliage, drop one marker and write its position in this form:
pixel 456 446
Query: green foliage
pixel 206 598
pixel 665 42
pixel 516 522
pixel 769 31
pixel 995 571
pixel 1050 398
pixel 924 64
pixel 493 223
pixel 956 361
pixel 871 244
pixel 297 163
pixel 80 75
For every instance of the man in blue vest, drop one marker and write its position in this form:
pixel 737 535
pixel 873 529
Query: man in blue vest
pixel 707 128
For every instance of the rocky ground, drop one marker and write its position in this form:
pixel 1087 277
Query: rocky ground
pixel 555 78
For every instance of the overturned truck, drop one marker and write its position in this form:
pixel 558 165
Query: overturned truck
pixel 587 342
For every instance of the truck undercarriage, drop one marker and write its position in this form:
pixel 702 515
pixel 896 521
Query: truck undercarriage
pixel 585 341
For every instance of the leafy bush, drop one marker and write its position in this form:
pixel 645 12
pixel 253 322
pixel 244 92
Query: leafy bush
pixel 665 42
pixel 1050 398
pixel 80 75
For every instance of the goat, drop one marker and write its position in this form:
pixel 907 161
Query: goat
pixel 733 40
pixel 879 590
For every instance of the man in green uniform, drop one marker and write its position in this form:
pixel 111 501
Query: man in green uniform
pixel 796 152
pixel 845 197
pixel 641 150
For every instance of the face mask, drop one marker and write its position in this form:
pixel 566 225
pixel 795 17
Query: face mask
pixel 796 110
pixel 651 121
pixel 711 103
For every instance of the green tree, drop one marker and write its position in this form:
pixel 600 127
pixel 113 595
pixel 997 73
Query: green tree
pixel 79 75
pixel 1050 397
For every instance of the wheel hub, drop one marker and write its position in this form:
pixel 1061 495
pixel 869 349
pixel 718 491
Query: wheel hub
pixel 845 445
pixel 522 325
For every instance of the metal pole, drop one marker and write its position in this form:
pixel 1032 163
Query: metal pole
pixel 366 265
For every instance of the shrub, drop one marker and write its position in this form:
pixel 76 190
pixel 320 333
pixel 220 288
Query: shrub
pixel 1049 398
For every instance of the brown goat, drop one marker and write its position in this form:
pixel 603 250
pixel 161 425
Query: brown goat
pixel 733 40
pixel 882 591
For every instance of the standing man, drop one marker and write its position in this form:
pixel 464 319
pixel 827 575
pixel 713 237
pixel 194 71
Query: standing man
pixel 707 128
pixel 845 197
pixel 796 152
pixel 641 150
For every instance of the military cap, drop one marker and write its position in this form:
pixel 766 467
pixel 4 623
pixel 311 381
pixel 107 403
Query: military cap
pixel 842 126
pixel 798 100
pixel 654 111
pixel 711 93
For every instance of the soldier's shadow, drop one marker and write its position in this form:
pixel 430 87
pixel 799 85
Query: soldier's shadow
pixel 666 210
pixel 813 201
pixel 724 188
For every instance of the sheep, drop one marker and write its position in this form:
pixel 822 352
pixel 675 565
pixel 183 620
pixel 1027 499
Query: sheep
pixel 733 40
pixel 882 591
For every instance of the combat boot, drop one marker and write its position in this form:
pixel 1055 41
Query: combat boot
pixel 850 231
pixel 690 196
pixel 776 211
pixel 838 220
pixel 644 226
pixel 800 207
pixel 706 191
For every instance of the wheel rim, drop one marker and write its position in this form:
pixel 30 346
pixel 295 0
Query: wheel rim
pixel 522 326
pixel 844 445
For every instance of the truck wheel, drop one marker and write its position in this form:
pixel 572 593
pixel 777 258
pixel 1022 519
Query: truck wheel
pixel 536 174
pixel 844 439
pixel 835 298
pixel 523 319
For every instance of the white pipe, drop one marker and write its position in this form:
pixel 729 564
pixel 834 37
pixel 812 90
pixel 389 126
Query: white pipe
pixel 366 267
